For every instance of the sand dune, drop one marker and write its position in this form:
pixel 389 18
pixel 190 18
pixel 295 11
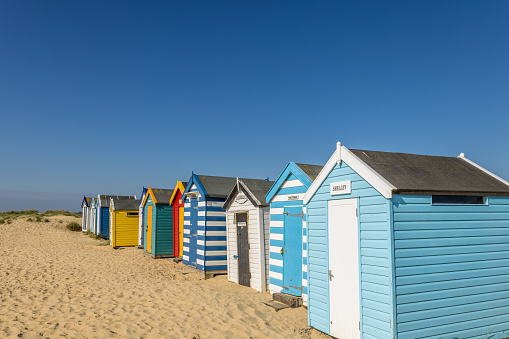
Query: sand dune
pixel 57 283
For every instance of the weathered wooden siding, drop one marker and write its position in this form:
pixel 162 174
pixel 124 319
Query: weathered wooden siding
pixel 375 255
pixel 162 231
pixel 452 268
pixel 125 228
pixel 258 256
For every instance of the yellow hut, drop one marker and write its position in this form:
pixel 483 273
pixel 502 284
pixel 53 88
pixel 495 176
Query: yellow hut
pixel 124 221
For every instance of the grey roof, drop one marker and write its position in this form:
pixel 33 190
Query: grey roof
pixel 311 170
pixel 217 187
pixel 104 200
pixel 162 195
pixel 425 174
pixel 120 204
pixel 256 188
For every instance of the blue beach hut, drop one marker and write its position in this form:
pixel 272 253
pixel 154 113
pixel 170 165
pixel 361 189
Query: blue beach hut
pixel 205 223
pixel 288 258
pixel 102 221
pixel 407 246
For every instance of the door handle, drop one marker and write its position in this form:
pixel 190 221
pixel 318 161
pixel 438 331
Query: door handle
pixel 330 275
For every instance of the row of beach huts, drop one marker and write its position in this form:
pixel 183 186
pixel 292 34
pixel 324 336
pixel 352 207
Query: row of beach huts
pixel 374 244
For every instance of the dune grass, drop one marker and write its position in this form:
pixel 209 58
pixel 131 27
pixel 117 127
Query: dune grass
pixel 34 215
pixel 73 226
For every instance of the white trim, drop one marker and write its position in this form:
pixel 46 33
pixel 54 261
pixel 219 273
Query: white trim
pixel 367 173
pixel 462 157
pixel 261 255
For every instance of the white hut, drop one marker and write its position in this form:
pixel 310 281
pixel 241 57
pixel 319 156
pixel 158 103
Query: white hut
pixel 84 214
pixel 247 225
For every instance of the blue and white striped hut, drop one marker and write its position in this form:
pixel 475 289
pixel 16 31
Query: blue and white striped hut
pixel 288 248
pixel 405 246
pixel 205 223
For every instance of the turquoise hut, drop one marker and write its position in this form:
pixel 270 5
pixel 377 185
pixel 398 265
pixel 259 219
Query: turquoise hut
pixel 158 222
pixel 407 246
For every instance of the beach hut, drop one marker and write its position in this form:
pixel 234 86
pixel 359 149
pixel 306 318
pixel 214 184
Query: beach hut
pixel 84 213
pixel 102 203
pixel 178 218
pixel 248 228
pixel 205 223
pixel 288 259
pixel 124 223
pixel 141 230
pixel 158 223
pixel 407 246
pixel 93 215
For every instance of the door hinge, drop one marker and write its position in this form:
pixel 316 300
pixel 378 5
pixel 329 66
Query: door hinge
pixel 356 214
pixel 286 288
pixel 286 213
pixel 359 325
pixel 297 288
pixel 298 215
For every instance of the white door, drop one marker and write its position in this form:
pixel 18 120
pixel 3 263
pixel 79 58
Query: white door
pixel 344 269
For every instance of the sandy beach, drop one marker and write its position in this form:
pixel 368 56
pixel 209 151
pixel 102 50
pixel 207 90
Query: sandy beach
pixel 58 283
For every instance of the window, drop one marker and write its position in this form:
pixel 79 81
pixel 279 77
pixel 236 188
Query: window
pixel 458 199
pixel 132 213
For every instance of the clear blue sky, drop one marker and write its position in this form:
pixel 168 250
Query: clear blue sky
pixel 104 97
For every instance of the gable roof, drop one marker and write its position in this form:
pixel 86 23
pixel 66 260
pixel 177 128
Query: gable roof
pixel 121 204
pixel 86 201
pixel 304 172
pixel 311 170
pixel 180 186
pixel 255 190
pixel 211 186
pixel 403 173
pixel 159 195
pixel 143 192
pixel 104 200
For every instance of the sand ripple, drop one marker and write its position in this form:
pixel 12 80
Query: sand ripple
pixel 57 283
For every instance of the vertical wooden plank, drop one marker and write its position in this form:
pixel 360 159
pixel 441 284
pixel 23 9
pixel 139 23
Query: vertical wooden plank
pixel 243 249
